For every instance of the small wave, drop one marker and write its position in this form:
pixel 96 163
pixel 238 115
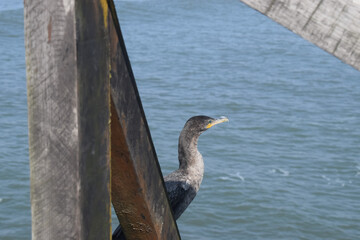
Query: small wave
pixel 233 177
pixel 224 178
pixel 340 182
pixel 281 171
pixel 1 200
pixel 10 6
pixel 284 172
pixel 240 177
pixel 358 170
pixel 326 178
pixel 335 182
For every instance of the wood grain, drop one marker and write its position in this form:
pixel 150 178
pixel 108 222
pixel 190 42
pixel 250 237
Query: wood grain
pixel 67 63
pixel 332 25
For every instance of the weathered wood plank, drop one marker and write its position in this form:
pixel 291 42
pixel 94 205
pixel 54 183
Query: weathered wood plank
pixel 138 193
pixel 332 25
pixel 68 100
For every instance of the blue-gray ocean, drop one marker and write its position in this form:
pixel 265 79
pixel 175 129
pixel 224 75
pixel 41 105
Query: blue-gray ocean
pixel 286 166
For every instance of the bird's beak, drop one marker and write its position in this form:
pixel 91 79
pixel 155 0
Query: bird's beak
pixel 217 121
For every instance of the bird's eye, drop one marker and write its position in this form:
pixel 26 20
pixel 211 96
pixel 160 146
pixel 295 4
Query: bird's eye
pixel 210 121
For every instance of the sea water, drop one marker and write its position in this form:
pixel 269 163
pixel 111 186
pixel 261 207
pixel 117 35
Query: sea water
pixel 287 164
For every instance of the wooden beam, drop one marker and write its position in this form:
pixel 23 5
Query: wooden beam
pixel 138 192
pixel 67 60
pixel 332 25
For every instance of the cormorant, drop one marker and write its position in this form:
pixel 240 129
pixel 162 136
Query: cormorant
pixel 183 184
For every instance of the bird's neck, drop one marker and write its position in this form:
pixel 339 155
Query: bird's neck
pixel 190 159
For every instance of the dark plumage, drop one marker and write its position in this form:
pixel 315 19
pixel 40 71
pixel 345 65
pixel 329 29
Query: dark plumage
pixel 183 184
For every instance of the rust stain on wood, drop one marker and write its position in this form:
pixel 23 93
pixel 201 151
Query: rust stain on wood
pixel 49 28
pixel 130 205
pixel 138 193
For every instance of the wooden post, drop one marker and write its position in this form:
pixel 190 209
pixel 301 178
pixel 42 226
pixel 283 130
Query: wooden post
pixel 73 48
pixel 332 25
pixel 67 60
pixel 138 193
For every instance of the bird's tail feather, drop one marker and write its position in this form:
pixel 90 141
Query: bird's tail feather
pixel 118 234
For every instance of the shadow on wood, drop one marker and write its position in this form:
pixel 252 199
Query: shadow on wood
pixel 138 193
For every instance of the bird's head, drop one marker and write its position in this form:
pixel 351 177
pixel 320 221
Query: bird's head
pixel 203 123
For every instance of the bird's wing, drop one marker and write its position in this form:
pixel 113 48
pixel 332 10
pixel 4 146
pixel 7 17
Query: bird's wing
pixel 175 191
pixel 179 196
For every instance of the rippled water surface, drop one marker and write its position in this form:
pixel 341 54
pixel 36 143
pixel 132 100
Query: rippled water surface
pixel 287 164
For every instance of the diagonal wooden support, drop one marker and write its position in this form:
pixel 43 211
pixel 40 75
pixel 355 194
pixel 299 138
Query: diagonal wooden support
pixel 138 193
pixel 332 25
pixel 68 65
